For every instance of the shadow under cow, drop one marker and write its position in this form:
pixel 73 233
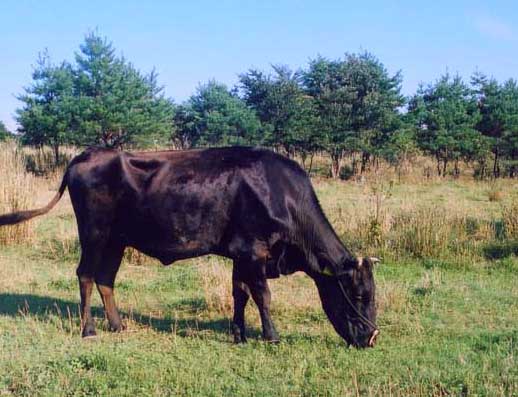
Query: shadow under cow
pixel 42 307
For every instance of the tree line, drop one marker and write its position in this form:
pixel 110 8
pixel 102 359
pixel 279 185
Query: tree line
pixel 347 108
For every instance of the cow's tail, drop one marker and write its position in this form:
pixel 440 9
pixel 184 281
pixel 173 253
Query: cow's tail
pixel 22 216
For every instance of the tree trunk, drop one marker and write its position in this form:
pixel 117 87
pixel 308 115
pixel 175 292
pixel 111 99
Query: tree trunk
pixel 56 153
pixel 365 159
pixel 496 167
pixel 444 168
pixel 311 156
pixel 456 169
pixel 303 157
pixel 512 169
pixel 354 164
pixel 336 156
pixel 482 169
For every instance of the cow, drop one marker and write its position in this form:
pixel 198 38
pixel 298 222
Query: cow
pixel 251 205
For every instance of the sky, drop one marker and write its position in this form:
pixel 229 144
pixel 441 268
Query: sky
pixel 190 42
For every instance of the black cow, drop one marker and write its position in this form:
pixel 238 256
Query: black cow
pixel 250 205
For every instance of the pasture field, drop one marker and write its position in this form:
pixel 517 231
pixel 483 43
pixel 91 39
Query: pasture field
pixel 447 306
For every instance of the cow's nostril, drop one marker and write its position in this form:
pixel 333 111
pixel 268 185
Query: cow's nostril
pixel 372 340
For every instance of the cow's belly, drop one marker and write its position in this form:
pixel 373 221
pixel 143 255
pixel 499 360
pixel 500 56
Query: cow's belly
pixel 172 238
pixel 169 255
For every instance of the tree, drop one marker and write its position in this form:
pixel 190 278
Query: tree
pixel 216 116
pixel 185 133
pixel 117 104
pixel 498 105
pixel 46 116
pixel 101 99
pixel 445 115
pixel 4 132
pixel 283 108
pixel 358 103
pixel 302 131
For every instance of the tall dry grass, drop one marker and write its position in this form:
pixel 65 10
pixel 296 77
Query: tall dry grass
pixel 216 283
pixel 17 192
pixel 510 219
pixel 41 161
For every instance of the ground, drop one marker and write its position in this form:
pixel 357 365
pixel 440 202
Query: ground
pixel 449 324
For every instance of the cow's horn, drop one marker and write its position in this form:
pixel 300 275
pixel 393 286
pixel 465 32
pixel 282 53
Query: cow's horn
pixel 359 260
pixel 374 260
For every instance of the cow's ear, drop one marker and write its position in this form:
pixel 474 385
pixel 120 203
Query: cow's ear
pixel 346 266
pixel 326 267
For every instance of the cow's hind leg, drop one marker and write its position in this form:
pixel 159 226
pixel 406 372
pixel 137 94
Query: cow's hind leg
pixel 241 295
pixel 85 274
pixel 105 279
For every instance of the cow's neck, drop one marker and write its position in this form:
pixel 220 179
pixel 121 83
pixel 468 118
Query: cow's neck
pixel 321 243
pixel 328 247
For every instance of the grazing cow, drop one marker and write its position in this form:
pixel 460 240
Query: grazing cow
pixel 250 205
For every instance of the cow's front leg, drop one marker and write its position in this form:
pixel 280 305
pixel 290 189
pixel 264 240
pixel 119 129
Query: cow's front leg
pixel 262 298
pixel 241 295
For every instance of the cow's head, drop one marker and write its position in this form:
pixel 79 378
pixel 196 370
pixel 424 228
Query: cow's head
pixel 347 296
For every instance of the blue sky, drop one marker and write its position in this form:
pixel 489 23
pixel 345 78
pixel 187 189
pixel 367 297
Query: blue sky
pixel 189 42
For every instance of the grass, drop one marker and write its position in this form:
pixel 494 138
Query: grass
pixel 447 308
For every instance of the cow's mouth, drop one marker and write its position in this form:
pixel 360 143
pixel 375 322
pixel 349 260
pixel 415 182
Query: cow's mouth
pixel 372 340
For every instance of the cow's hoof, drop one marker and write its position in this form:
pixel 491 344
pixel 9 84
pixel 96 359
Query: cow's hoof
pixel 88 332
pixel 239 334
pixel 271 337
pixel 239 337
pixel 117 328
pixel 273 341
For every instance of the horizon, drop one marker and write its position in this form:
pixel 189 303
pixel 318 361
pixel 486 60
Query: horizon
pixel 189 44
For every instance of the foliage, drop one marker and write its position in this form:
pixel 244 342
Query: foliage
pixel 216 116
pixel 287 113
pixel 4 132
pixel 348 108
pixel 101 99
pixel 498 104
pixel 445 115
pixel 357 102
pixel 48 110
pixel 115 101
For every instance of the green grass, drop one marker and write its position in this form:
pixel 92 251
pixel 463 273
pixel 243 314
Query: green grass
pixel 445 329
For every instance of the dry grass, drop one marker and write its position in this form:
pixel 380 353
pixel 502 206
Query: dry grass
pixel 510 219
pixel 17 192
pixel 495 195
pixel 216 282
pixel 41 161
pixel 430 219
